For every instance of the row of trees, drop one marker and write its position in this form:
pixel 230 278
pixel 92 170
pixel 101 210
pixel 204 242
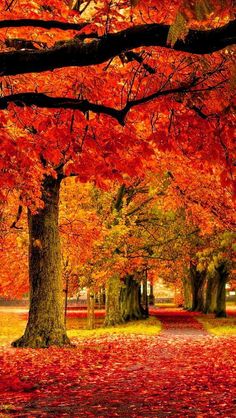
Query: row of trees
pixel 111 238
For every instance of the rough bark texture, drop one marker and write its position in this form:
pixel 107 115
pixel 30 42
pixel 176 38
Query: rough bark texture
pixel 130 300
pixel 211 294
pixel 45 325
pixel 123 301
pixel 113 312
pixel 197 281
pixel 187 291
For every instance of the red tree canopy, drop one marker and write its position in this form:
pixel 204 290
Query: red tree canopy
pixel 95 89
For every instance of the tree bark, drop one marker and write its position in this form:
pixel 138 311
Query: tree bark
pixel 130 300
pixel 66 297
pixel 77 53
pixel 144 302
pixel 221 292
pixel 90 309
pixel 197 281
pixel 187 290
pixel 151 298
pixel 211 294
pixel 100 297
pixel 45 325
pixel 123 301
pixel 113 313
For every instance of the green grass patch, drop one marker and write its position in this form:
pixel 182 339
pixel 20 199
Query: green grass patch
pixel 150 326
pixel 218 326
pixel 12 326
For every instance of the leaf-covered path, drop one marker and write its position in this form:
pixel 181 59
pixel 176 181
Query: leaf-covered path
pixel 177 373
pixel 179 324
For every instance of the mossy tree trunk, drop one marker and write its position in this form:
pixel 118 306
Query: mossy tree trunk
pixel 198 280
pixel 123 301
pixel 130 300
pixel 211 293
pixel 221 292
pixel 45 325
pixel 113 311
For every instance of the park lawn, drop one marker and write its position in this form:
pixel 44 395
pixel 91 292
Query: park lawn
pixel 150 326
pixel 12 326
pixel 218 326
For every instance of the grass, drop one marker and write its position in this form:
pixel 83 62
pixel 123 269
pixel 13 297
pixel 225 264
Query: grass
pixel 150 326
pixel 218 326
pixel 165 305
pixel 12 325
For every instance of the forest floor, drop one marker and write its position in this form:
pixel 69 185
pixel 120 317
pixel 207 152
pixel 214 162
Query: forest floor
pixel 180 371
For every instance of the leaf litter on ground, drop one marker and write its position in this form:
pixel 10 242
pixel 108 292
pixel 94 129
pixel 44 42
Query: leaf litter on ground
pixel 122 375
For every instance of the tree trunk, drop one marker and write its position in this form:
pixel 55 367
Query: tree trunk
pixel 130 300
pixel 66 297
pixel 144 298
pixel 187 290
pixel 221 292
pixel 90 307
pixel 113 312
pixel 151 297
pixel 197 282
pixel 123 301
pixel 45 325
pixel 211 294
pixel 101 297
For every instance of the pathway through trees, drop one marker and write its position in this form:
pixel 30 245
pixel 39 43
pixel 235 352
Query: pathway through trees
pixel 180 372
pixel 179 324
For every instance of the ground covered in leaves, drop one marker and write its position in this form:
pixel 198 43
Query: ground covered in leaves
pixel 179 372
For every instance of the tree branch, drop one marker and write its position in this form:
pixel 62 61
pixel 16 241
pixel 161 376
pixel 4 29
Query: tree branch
pixel 47 24
pixel 43 101
pixel 77 53
pixel 18 216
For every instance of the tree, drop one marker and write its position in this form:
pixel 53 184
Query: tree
pixel 169 88
pixel 217 260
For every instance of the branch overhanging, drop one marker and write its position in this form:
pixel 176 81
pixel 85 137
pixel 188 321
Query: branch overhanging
pixel 41 100
pixel 81 54
pixel 38 23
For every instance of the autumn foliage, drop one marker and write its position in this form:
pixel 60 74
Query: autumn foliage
pixel 128 109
